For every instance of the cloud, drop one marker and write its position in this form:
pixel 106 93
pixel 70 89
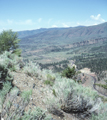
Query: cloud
pixel 9 21
pixel 65 25
pixel 54 26
pixel 49 21
pixel 39 20
pixel 28 22
pixel 97 18
pixel 25 22
pixel 78 23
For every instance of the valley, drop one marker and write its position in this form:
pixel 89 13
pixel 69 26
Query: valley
pixel 58 48
pixel 67 79
pixel 57 44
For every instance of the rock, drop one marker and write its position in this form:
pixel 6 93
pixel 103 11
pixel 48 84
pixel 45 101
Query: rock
pixel 33 104
pixel 33 85
pixel 19 92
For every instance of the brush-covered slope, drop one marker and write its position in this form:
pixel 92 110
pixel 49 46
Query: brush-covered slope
pixel 35 94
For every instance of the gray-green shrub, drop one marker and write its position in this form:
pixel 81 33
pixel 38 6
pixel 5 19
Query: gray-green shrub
pixel 32 69
pixel 10 61
pixel 73 98
pixel 37 114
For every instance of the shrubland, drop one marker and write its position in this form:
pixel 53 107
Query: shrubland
pixel 62 93
pixel 66 95
pixel 13 101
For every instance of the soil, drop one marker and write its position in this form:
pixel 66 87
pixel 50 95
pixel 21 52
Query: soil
pixel 25 82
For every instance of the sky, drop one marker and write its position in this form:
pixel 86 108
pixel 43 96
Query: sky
pixel 20 15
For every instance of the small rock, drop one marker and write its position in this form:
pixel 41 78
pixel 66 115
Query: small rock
pixel 33 85
pixel 32 79
pixel 33 104
pixel 31 98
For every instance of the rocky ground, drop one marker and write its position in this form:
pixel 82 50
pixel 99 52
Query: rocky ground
pixel 25 82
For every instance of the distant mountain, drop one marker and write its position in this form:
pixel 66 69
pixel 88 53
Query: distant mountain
pixel 58 36
pixel 26 33
pixel 81 26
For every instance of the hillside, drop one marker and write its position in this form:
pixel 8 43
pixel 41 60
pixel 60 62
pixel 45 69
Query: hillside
pixel 27 92
pixel 80 44
pixel 59 36
pixel 26 33
pixel 30 91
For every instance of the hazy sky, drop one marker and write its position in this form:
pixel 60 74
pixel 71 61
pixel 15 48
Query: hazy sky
pixel 34 14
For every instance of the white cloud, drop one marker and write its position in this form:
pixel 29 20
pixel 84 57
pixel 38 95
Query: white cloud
pixel 54 26
pixel 78 23
pixel 97 18
pixel 39 20
pixel 49 21
pixel 65 25
pixel 25 22
pixel 28 22
pixel 9 21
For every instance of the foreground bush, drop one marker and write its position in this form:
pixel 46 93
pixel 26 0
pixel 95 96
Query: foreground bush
pixel 5 74
pixel 70 97
pixel 11 61
pixel 14 104
pixel 6 88
pixel 37 114
pixel 32 69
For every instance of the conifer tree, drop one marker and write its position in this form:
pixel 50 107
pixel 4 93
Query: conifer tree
pixel 9 42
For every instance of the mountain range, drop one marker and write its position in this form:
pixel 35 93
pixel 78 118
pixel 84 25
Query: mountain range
pixel 47 45
pixel 61 36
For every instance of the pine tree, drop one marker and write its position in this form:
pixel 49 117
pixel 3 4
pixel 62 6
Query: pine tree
pixel 9 42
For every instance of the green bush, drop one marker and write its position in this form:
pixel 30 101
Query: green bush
pixel 6 88
pixel 69 72
pixel 37 114
pixel 102 85
pixel 8 62
pixel 5 74
pixel 48 82
pixel 26 95
pixel 50 77
pixel 9 42
pixel 11 61
pixel 32 69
